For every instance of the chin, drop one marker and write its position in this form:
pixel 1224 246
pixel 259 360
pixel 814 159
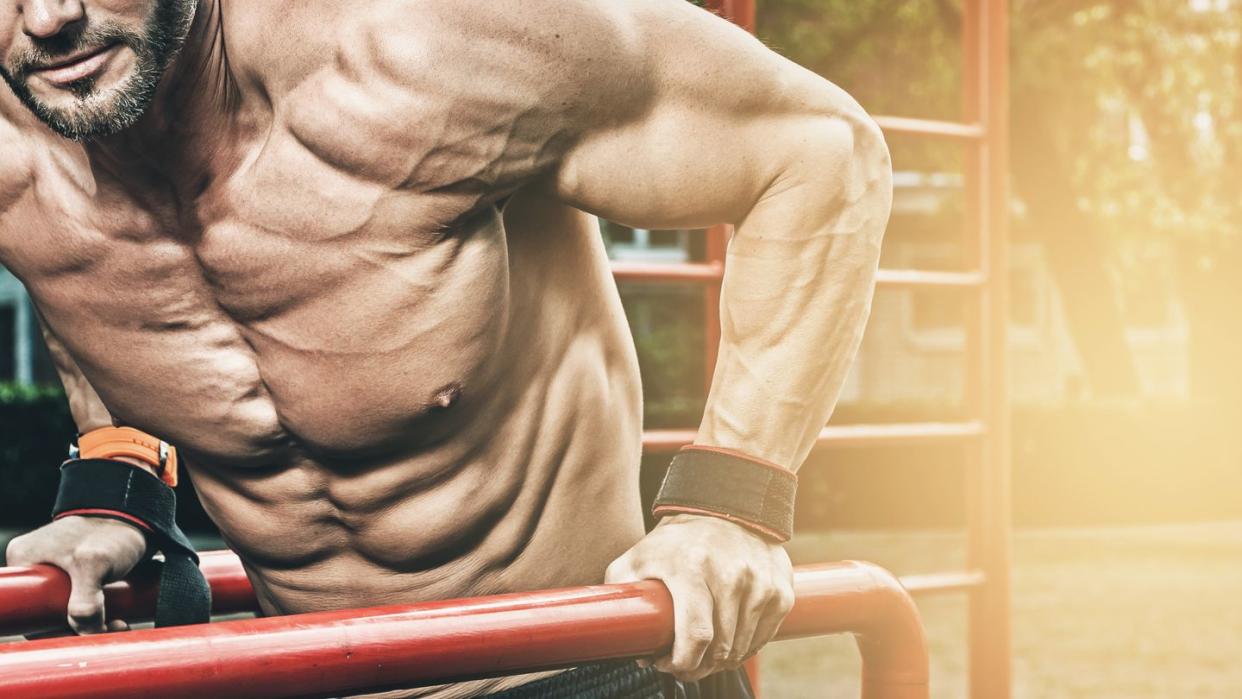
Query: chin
pixel 85 112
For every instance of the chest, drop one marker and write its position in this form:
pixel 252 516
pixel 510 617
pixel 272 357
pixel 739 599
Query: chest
pixel 288 298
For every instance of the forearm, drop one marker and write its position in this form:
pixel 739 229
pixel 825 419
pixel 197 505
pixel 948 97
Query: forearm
pixel 799 280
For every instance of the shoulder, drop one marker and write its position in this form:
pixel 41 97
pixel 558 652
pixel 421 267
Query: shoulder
pixel 568 53
pixel 427 93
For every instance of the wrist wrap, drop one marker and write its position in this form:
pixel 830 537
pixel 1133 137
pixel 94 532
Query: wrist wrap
pixel 117 490
pixel 722 483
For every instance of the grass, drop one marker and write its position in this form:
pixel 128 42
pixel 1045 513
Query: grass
pixel 1128 613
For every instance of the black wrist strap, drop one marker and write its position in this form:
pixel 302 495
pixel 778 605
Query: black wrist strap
pixel 103 484
pixel 718 482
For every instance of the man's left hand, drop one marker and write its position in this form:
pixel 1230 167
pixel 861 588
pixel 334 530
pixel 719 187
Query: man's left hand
pixel 731 589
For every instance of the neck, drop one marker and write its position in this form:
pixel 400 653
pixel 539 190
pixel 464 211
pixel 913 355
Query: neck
pixel 197 90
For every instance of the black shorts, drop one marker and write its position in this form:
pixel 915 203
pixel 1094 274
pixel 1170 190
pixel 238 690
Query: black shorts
pixel 624 679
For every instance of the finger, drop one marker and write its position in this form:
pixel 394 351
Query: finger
pixel 774 613
pixel 754 609
pixel 117 625
pixel 17 553
pixel 87 569
pixel 86 602
pixel 731 594
pixel 620 571
pixel 693 627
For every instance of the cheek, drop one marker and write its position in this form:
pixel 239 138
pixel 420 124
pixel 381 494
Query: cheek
pixel 131 14
pixel 10 30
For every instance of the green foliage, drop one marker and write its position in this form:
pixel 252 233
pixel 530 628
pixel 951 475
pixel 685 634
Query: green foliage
pixel 35 430
pixel 668 332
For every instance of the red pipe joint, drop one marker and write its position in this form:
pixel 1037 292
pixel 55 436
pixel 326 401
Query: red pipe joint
pixel 331 653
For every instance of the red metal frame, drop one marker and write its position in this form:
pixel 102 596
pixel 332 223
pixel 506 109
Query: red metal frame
pixel 984 131
pixel 334 653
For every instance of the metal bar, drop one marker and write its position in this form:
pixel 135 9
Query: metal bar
pixel 35 599
pixel 992 603
pixel 939 583
pixel 988 501
pixel 661 441
pixel 341 652
pixel 911 278
pixel 932 128
pixel 657 272
pixel 713 273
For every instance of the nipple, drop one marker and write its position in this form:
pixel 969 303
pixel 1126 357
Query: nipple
pixel 446 397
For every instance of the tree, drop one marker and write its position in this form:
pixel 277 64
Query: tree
pixel 1088 78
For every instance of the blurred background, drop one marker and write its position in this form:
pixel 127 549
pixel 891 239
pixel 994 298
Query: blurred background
pixel 1125 317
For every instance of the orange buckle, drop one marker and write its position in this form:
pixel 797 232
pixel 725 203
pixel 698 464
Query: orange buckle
pixel 111 442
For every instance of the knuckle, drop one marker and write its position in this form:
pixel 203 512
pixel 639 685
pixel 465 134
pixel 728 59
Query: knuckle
pixel 697 556
pixel 785 599
pixel 698 637
pixel 18 551
pixel 613 571
pixel 91 554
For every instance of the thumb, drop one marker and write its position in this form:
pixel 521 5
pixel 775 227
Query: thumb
pixel 86 601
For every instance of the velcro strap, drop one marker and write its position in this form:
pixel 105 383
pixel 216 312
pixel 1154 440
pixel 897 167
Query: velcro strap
pixel 102 484
pixel 717 482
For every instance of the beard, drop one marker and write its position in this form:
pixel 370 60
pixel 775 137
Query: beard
pixel 96 114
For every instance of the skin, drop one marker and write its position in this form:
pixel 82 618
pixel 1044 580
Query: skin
pixel 354 274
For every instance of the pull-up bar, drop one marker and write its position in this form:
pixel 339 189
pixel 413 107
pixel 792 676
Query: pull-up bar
pixel 330 653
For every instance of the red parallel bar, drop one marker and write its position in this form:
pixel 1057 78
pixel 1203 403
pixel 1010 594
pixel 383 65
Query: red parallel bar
pixel 661 441
pixel 34 599
pixel 332 653
pixel 931 127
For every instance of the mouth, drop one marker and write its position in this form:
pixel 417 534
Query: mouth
pixel 73 68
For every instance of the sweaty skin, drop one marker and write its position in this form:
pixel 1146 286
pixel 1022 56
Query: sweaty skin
pixel 354 274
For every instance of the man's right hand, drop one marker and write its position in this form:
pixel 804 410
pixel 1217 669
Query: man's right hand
pixel 93 551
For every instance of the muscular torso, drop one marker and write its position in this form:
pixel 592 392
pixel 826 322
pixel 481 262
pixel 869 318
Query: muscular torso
pixel 396 372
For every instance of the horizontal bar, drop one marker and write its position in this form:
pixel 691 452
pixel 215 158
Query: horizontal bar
pixel 661 441
pixel 34 599
pixel 350 651
pixel 713 273
pixel 673 272
pixel 932 127
pixel 907 278
pixel 937 583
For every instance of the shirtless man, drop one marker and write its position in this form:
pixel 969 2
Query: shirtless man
pixel 344 256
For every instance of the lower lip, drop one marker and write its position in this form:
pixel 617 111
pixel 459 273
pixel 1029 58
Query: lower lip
pixel 65 75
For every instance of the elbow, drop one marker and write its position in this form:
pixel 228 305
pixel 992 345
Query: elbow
pixel 866 194
pixel 841 162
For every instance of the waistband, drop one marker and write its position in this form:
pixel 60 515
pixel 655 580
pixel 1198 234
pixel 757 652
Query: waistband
pixel 622 679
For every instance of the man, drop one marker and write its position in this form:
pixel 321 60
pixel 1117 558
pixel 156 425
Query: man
pixel 340 255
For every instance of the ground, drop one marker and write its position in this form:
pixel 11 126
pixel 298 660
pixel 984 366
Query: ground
pixel 1128 613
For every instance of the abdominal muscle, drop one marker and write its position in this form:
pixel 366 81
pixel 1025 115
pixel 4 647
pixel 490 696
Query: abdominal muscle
pixel 534 488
